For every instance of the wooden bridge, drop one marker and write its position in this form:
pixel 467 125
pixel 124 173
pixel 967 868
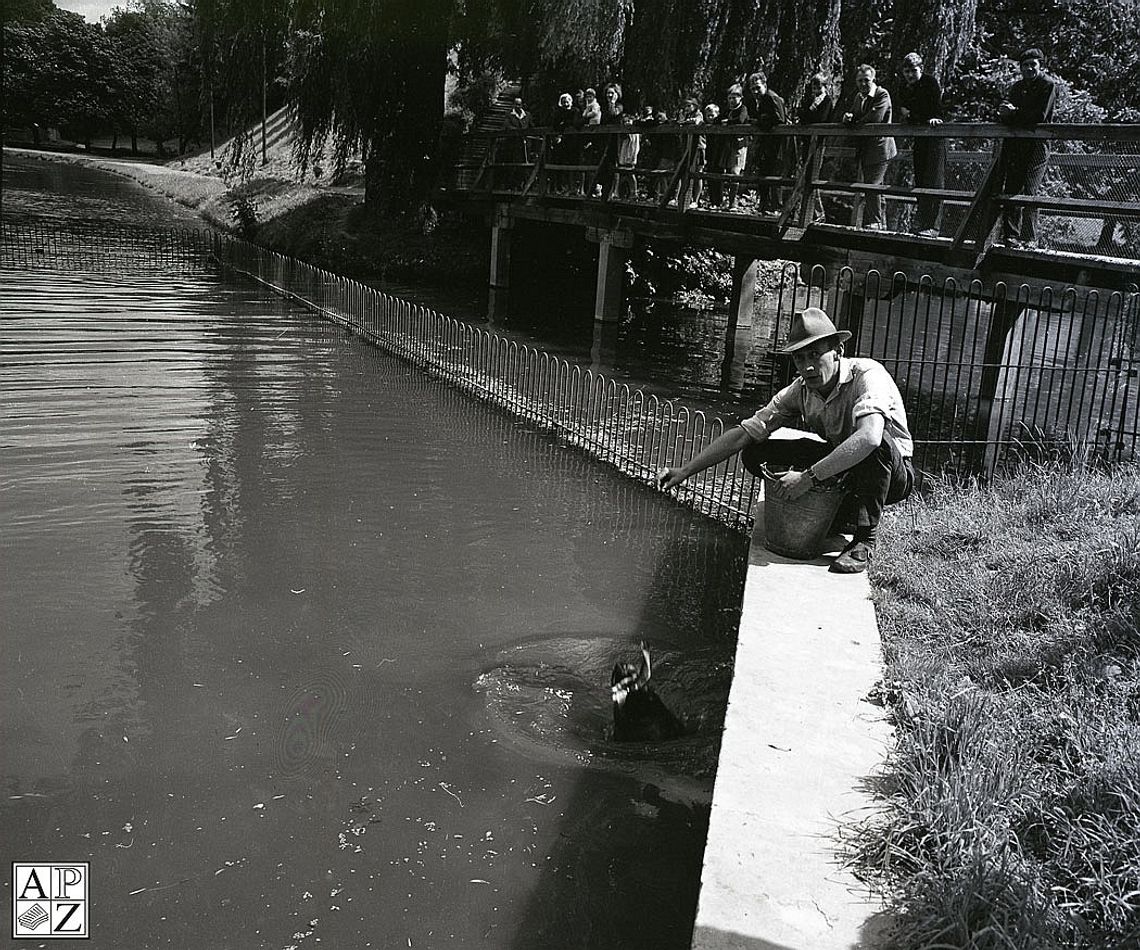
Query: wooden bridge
pixel 1088 206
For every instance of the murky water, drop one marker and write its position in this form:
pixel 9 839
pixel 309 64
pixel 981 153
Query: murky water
pixel 674 350
pixel 303 646
pixel 55 191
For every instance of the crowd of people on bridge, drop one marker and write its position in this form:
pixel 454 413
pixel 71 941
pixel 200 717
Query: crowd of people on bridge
pixel 715 162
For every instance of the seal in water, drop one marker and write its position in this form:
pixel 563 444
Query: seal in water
pixel 639 713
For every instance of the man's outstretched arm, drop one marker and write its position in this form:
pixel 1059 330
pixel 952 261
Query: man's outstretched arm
pixel 722 447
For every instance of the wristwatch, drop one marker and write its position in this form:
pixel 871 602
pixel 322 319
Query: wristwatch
pixel 810 472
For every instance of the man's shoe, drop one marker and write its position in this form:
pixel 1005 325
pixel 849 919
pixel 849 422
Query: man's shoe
pixel 853 559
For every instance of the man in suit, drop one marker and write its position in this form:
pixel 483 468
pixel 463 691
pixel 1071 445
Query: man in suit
pixel 1030 101
pixel 872 107
pixel 766 110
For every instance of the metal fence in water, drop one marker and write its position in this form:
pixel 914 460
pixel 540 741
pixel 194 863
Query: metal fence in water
pixel 986 373
pixel 102 248
pixel 635 432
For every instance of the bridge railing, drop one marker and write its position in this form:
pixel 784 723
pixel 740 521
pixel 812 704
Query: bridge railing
pixel 799 176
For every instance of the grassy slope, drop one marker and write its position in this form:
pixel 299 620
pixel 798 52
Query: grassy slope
pixel 1010 615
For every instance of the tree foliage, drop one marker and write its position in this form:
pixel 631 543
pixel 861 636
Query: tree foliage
pixel 241 46
pixel 150 43
pixel 59 71
pixel 369 76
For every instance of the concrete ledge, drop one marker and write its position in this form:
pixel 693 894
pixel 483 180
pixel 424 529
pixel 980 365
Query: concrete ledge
pixel 799 743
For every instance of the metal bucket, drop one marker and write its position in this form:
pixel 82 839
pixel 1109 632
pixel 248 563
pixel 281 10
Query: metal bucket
pixel 798 529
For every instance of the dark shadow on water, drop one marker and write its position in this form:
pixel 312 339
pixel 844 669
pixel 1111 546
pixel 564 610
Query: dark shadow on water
pixel 626 870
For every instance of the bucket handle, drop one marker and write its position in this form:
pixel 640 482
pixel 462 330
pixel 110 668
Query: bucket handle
pixel 832 484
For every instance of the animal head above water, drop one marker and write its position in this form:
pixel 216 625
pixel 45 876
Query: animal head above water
pixel 627 677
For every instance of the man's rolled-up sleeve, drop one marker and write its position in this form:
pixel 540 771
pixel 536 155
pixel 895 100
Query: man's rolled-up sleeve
pixel 783 410
pixel 877 394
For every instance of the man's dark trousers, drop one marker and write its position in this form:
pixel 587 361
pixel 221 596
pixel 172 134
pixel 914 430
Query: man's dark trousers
pixel 1023 170
pixel 929 172
pixel 882 478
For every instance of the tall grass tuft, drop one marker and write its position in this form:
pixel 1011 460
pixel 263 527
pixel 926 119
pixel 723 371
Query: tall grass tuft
pixel 1011 623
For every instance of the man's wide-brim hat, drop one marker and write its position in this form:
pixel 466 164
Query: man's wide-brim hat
pixel 812 325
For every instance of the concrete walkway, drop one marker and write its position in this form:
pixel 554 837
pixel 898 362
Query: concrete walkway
pixel 800 741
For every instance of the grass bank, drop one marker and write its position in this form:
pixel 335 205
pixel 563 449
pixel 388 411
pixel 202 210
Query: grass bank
pixel 1010 616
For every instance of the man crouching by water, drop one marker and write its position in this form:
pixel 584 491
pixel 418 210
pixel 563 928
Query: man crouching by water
pixel 854 405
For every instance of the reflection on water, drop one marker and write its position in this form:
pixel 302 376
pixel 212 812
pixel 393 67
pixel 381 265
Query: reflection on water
pixel 54 191
pixel 671 349
pixel 256 577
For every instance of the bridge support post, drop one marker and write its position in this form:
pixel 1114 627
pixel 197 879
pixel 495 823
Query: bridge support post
pixel 999 371
pixel 743 298
pixel 613 252
pixel 500 281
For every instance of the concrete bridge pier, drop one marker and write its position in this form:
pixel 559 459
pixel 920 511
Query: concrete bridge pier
pixel 998 383
pixel 613 252
pixel 500 281
pixel 744 267
pixel 740 306
pixel 850 306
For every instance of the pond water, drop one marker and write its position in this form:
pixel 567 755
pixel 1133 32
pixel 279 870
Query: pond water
pixel 304 648
pixel 678 351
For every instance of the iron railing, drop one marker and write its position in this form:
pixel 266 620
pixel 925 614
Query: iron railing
pixel 988 373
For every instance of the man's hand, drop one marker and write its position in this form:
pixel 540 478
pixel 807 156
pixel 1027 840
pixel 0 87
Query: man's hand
pixel 670 478
pixel 795 484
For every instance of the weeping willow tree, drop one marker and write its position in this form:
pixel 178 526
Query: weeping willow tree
pixel 674 48
pixel 663 50
pixel 941 31
pixel 242 46
pixel 367 77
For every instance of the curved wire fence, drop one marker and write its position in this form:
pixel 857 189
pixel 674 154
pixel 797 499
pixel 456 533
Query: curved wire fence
pixel 636 433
